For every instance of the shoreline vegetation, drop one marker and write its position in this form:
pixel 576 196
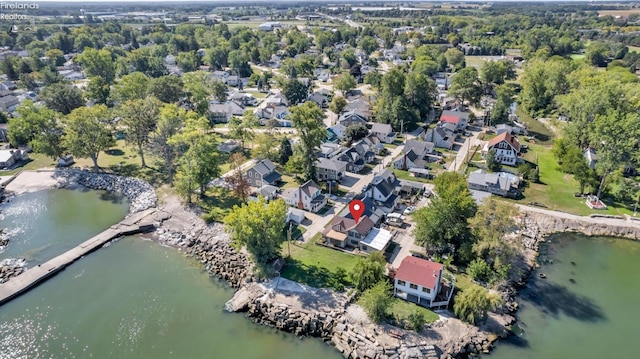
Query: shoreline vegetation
pixel 292 307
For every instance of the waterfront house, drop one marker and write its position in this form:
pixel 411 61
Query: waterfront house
pixel 500 183
pixel 345 231
pixel 262 173
pixel 10 157
pixel 419 281
pixel 507 148
pixel 308 197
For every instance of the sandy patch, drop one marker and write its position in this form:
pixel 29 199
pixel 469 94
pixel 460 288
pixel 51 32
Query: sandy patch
pixel 32 181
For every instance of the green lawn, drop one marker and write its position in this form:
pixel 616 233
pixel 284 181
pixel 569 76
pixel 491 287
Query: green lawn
pixel 401 310
pixel 405 175
pixel 535 128
pixel 289 182
pixel 634 48
pixel 218 203
pixel 556 189
pixel 475 61
pixel 390 146
pixel 315 265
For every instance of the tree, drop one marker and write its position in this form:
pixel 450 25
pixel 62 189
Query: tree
pixel 501 108
pixel 425 65
pixel 337 105
pixel 265 146
pixel 455 58
pixel 443 224
pixel 368 271
pixel 368 44
pixel 88 132
pixel 198 87
pixel 8 68
pixel 421 92
pixel 170 120
pixel 344 83
pixel 286 151
pixel 188 61
pixel 219 90
pixel 240 128
pixel 597 53
pixel 417 320
pixel 492 162
pixel 97 63
pixel 38 127
pixel 167 89
pixel 473 304
pixel 356 132
pixel 98 90
pixel 237 180
pixel 130 87
pixel 307 119
pixel 466 86
pixel 478 269
pixel 199 162
pixel 295 91
pixel 61 97
pixel 493 220
pixel 377 301
pixel 258 226
pixel 614 136
pixel 139 117
pixel 628 191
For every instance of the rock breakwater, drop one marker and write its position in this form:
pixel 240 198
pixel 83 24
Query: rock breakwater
pixel 140 194
pixel 11 267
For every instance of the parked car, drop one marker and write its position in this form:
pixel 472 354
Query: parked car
pixel 427 193
pixel 409 210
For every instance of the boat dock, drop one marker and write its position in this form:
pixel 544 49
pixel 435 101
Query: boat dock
pixel 140 222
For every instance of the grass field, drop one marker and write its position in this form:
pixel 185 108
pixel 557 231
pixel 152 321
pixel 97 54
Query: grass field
pixel 556 189
pixel 401 310
pixel 615 13
pixel 405 175
pixel 535 128
pixel 634 48
pixel 218 203
pixel 316 265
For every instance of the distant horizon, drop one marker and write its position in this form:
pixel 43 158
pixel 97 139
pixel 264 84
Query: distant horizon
pixel 91 2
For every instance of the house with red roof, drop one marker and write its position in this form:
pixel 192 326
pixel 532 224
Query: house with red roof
pixel 420 281
pixel 507 148
pixel 458 118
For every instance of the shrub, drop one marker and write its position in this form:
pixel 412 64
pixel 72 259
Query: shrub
pixel 478 269
pixel 416 320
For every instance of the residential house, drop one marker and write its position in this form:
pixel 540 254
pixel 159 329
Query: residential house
pixel 243 98
pixel 72 75
pixel 8 86
pixel 330 150
pixel 8 103
pixel 320 99
pixel 345 231
pixel 374 144
pixel 512 130
pixel 170 60
pixel 233 80
pixel 382 190
pixel 507 148
pixel 277 99
pixel 419 281
pixel 355 162
pixel 459 118
pixel 324 76
pixel 377 239
pixel 591 157
pixel 222 112
pixel 267 191
pixel 360 106
pixel 441 136
pixel 10 157
pixel 352 118
pixel 413 155
pixel 501 183
pixel 220 75
pixel 384 132
pixel 308 197
pixel 279 113
pixel 228 146
pixel 295 215
pixel 330 169
pixel 365 151
pixel 262 173
pixel 339 130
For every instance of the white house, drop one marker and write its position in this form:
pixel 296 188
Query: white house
pixel 269 26
pixel 418 280
pixel 308 197
pixel 442 136
pixel 220 76
pixel 382 191
pixel 507 148
pixel 384 132
pixel 9 157
pixel 413 155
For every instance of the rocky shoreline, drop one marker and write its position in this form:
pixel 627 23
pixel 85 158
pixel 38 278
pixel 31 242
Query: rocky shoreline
pixel 10 268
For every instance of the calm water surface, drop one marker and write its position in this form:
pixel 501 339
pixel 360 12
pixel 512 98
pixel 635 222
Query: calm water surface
pixel 133 299
pixel 44 224
pixel 588 307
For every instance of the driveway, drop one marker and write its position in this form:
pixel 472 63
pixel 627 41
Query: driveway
pixel 464 150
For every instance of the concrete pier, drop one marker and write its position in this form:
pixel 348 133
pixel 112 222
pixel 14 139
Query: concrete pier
pixel 140 222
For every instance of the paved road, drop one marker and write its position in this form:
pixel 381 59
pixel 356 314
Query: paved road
pixel 590 220
pixel 320 222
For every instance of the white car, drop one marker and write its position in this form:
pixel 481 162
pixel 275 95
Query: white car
pixel 409 210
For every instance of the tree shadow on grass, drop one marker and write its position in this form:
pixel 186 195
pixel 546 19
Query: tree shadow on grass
pixel 218 202
pixel 114 152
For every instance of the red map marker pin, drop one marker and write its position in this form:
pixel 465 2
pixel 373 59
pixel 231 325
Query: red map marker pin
pixel 356 207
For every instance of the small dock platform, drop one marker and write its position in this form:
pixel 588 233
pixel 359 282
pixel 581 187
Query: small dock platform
pixel 140 222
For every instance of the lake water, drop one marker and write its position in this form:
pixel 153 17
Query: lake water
pixel 586 307
pixel 133 299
